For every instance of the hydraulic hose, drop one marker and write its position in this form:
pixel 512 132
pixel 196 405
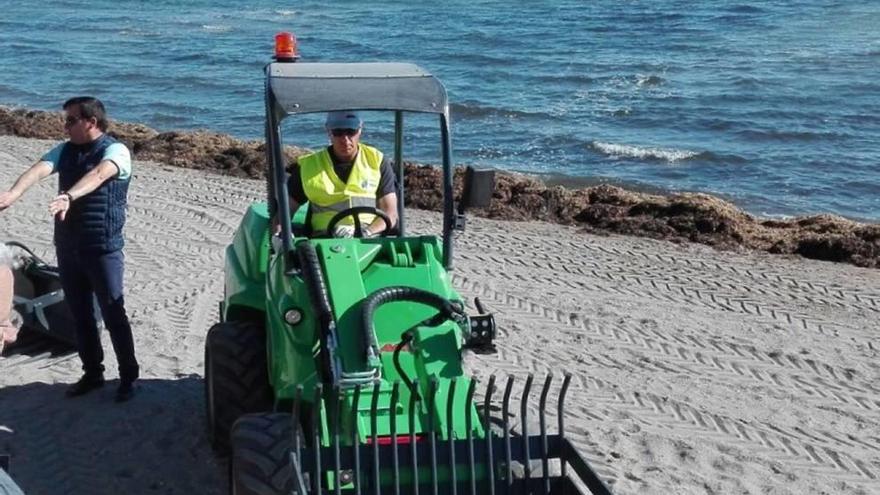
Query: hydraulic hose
pixel 447 310
pixel 405 339
pixel 320 299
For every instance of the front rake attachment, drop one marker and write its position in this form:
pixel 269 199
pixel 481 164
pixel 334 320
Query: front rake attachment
pixel 335 458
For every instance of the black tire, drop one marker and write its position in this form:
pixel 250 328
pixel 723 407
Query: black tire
pixel 260 462
pixel 236 377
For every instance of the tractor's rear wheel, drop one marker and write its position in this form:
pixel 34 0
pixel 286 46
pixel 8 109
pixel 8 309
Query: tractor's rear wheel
pixel 260 462
pixel 236 377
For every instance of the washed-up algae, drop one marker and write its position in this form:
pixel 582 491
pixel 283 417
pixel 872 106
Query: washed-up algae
pixel 600 209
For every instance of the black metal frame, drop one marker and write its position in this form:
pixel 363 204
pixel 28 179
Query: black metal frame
pixel 381 465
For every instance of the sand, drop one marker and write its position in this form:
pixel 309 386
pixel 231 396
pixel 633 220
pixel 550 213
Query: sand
pixel 695 370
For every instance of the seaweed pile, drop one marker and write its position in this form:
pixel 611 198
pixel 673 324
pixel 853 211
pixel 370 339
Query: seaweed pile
pixel 601 209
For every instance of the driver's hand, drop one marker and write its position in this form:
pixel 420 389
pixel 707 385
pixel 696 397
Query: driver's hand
pixel 343 231
pixel 368 232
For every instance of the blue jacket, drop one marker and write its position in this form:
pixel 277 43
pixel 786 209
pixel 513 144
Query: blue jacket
pixel 94 222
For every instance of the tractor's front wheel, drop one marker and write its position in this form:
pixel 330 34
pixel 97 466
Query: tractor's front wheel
pixel 261 447
pixel 236 377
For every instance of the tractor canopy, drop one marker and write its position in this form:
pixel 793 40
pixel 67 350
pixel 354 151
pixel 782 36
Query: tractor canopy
pixel 323 87
pixel 298 88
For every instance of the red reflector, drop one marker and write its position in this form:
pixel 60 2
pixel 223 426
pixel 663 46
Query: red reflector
pixel 386 440
pixel 392 347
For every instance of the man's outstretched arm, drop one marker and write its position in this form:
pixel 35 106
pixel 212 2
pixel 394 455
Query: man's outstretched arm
pixel 105 171
pixel 31 176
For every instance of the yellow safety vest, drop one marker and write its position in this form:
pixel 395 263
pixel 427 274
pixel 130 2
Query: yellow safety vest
pixel 328 195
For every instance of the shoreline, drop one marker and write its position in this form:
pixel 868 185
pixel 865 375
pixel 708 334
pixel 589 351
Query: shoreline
pixel 590 204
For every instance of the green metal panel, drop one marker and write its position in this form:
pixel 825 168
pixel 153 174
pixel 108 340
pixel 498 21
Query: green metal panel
pixel 246 261
pixel 353 269
pixel 291 348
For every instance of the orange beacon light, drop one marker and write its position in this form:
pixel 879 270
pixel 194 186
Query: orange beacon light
pixel 285 47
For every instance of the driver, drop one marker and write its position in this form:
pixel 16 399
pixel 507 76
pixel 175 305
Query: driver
pixel 341 176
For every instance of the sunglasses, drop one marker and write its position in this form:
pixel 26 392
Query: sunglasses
pixel 71 120
pixel 344 132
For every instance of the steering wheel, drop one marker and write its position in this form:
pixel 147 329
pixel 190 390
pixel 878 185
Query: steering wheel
pixel 355 212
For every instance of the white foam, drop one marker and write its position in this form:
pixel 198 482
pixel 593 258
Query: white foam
pixel 216 28
pixel 286 13
pixel 648 80
pixel 665 154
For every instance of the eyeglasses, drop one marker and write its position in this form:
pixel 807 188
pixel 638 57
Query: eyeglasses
pixel 71 120
pixel 344 132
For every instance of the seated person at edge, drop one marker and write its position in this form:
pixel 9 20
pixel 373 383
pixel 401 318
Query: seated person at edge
pixel 8 328
pixel 343 175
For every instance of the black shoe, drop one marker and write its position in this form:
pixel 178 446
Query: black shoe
pixel 125 391
pixel 86 384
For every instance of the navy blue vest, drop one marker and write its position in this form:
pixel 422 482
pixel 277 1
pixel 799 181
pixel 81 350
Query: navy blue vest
pixel 94 222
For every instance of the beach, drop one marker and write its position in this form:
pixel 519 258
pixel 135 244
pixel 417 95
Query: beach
pixel 694 370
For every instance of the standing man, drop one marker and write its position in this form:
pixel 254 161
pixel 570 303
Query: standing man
pixel 345 174
pixel 93 176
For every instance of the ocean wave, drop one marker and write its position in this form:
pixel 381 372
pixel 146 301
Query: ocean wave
pixel 577 79
pixel 775 135
pixel 162 120
pixel 744 9
pixel 746 82
pixel 286 12
pixel 169 108
pixel 471 109
pixel 137 32
pixel 216 28
pixel 11 93
pixel 27 49
pixel 669 155
pixel 648 80
pixel 484 60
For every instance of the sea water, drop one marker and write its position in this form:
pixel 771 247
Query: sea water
pixel 774 105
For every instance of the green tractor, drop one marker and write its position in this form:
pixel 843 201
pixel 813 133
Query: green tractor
pixel 337 364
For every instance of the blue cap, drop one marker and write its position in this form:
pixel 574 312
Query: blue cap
pixel 346 119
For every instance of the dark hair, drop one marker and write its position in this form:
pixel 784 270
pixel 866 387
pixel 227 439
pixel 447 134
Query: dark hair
pixel 89 107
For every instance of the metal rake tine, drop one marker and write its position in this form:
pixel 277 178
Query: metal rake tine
pixel 374 436
pixel 355 439
pixel 413 399
pixel 298 484
pixel 432 435
pixel 527 464
pixel 450 435
pixel 337 463
pixel 392 411
pixel 297 404
pixel 505 422
pixel 542 415
pixel 487 424
pixel 560 416
pixel 316 419
pixel 468 405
